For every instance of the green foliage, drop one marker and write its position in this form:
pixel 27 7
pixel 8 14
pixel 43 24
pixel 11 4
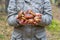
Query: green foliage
pixel 54 26
pixel 2 18
pixel 1 36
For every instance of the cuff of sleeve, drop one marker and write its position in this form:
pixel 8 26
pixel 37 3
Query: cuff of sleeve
pixel 12 21
pixel 43 21
pixel 17 23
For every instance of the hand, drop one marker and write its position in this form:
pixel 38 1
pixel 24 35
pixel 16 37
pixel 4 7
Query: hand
pixel 37 18
pixel 29 17
pixel 20 14
pixel 38 14
pixel 21 20
pixel 30 21
pixel 28 14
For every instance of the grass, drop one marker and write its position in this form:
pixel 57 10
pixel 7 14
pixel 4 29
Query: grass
pixel 5 29
pixel 54 30
pixel 2 18
pixel 54 26
pixel 1 36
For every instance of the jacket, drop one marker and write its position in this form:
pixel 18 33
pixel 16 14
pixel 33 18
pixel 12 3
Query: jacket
pixel 29 32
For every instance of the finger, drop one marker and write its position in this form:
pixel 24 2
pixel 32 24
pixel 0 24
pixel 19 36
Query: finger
pixel 39 20
pixel 40 17
pixel 25 22
pixel 38 14
pixel 21 23
pixel 35 23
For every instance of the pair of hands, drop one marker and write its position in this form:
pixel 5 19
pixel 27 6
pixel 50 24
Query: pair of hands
pixel 28 17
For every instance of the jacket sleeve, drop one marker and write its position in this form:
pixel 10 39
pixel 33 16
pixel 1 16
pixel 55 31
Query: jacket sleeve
pixel 12 13
pixel 47 14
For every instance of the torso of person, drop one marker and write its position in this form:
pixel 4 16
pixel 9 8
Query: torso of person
pixel 28 31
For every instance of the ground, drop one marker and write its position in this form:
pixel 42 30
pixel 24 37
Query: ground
pixel 54 29
pixel 52 33
pixel 56 12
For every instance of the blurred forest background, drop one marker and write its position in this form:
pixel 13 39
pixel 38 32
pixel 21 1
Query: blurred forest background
pixel 53 30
